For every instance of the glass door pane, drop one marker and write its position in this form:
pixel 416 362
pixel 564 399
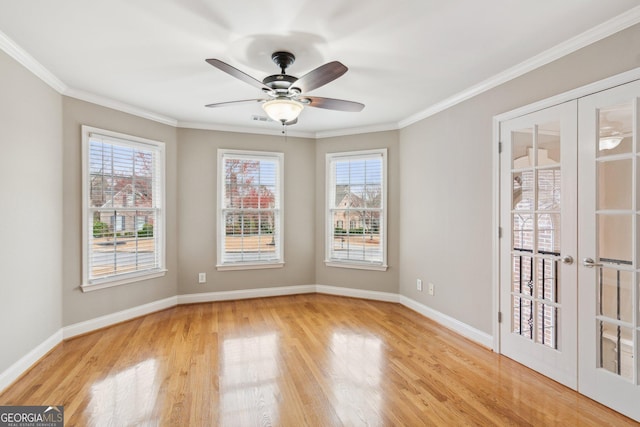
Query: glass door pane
pixel 609 218
pixel 536 190
pixel 615 220
pixel 538 219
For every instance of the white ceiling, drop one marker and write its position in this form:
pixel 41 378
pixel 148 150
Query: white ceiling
pixel 405 57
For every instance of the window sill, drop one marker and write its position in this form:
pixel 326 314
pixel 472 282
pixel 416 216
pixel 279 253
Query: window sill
pixel 111 282
pixel 357 266
pixel 249 266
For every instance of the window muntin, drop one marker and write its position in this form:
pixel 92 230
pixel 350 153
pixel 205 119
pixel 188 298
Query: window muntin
pixel 123 215
pixel 250 209
pixel 356 209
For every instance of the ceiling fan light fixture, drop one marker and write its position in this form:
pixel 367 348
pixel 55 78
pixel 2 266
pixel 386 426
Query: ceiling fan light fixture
pixel 609 143
pixel 283 110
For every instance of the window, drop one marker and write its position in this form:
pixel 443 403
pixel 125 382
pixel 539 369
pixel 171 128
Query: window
pixel 123 214
pixel 117 222
pixel 249 209
pixel 356 197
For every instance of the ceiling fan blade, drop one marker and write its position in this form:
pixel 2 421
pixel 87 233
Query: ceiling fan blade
pixel 232 71
pixel 320 76
pixel 231 103
pixel 291 122
pixel 334 104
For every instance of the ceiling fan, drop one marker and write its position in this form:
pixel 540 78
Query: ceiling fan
pixel 286 94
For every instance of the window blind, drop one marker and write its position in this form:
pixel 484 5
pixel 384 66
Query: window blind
pixel 251 214
pixel 356 207
pixel 123 186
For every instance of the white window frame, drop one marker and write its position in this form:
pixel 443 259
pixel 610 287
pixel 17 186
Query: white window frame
pixel 330 189
pixel 221 226
pixel 91 284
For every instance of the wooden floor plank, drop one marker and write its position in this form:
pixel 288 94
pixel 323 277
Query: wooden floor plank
pixel 304 360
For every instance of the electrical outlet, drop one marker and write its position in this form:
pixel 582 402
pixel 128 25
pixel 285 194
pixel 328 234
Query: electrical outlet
pixel 432 289
pixel 419 284
pixel 202 277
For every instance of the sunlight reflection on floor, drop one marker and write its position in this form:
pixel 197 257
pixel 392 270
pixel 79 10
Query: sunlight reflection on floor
pixel 248 385
pixel 124 398
pixel 356 364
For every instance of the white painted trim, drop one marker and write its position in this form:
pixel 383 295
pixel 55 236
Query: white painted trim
pixel 356 266
pixel 24 363
pixel 119 106
pixel 248 266
pixel 616 24
pixel 158 147
pixel 495 237
pixel 21 56
pixel 358 293
pixel 455 325
pixel 120 316
pixel 287 290
pixel 607 83
pixel 357 130
pixel 133 278
pixel 30 63
pixel 330 186
pixel 270 156
pixel 599 32
pixel 582 91
pixel 274 131
pixel 245 294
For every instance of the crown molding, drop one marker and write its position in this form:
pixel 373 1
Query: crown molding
pixel 355 131
pixel 597 33
pixel 29 62
pixel 21 56
pixel 276 131
pixel 120 106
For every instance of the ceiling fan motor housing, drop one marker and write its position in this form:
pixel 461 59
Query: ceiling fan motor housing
pixel 283 59
pixel 279 81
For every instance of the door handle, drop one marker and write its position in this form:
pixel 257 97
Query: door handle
pixel 590 263
pixel 567 259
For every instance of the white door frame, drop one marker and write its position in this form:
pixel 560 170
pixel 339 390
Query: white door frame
pixel 573 94
pixel 556 361
pixel 599 380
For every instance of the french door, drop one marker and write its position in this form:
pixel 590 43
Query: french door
pixel 609 248
pixel 570 250
pixel 538 221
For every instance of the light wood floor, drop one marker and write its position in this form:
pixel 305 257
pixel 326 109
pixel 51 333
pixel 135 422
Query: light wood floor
pixel 313 360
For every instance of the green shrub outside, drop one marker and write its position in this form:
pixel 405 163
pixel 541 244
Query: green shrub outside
pixel 146 231
pixel 100 229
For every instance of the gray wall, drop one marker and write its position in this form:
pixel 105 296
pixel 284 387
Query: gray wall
pixel 346 277
pixel 440 201
pixel 79 306
pixel 30 211
pixel 446 180
pixel 197 204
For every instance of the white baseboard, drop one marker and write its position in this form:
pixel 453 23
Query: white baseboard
pixel 24 363
pixel 286 290
pixel 357 293
pixel 455 325
pixel 120 316
pixel 18 368
pixel 245 294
